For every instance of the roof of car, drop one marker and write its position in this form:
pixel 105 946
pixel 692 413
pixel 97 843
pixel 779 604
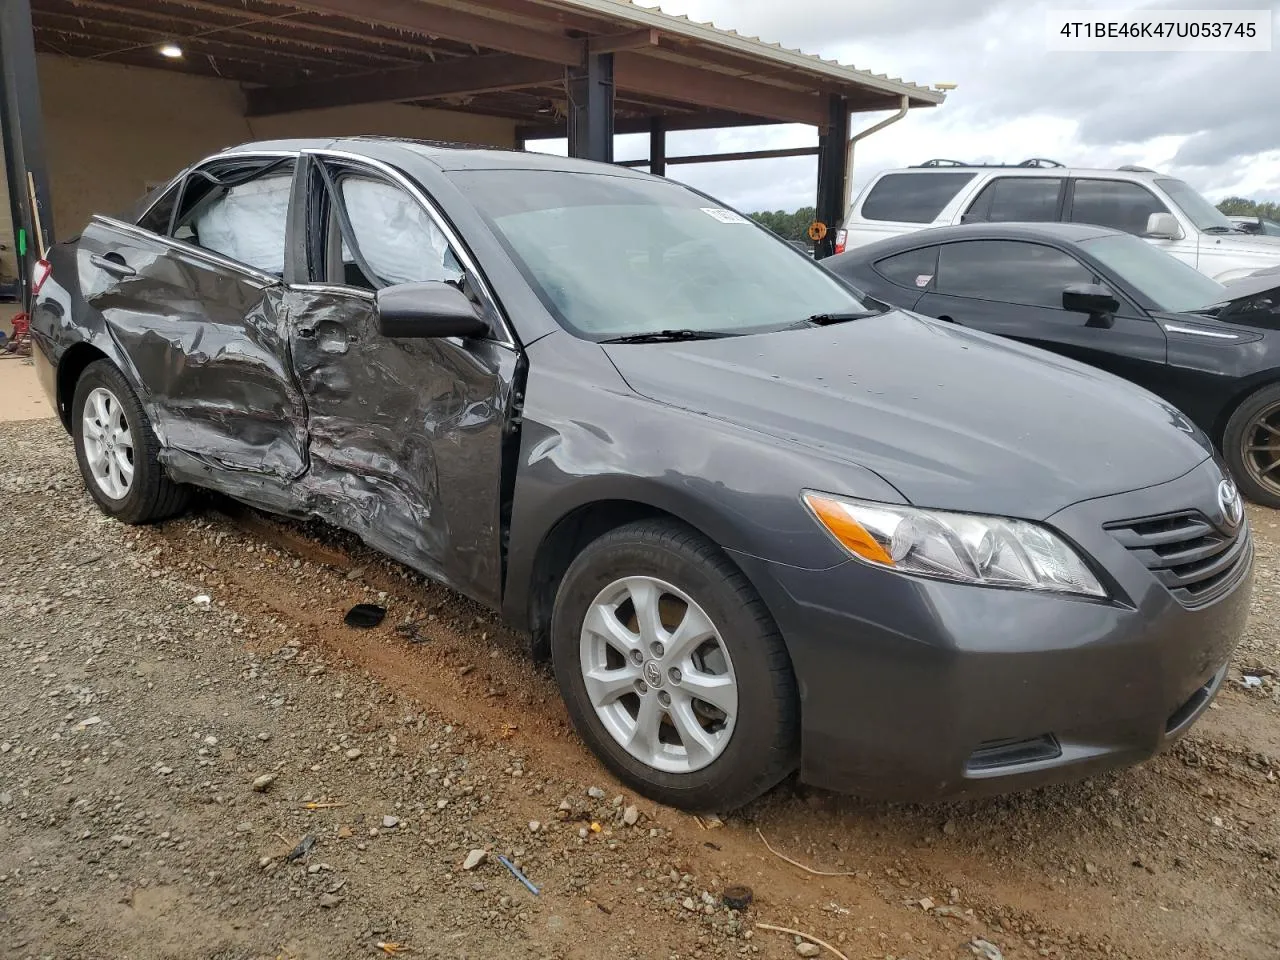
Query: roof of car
pixel 1118 173
pixel 445 155
pixel 1060 232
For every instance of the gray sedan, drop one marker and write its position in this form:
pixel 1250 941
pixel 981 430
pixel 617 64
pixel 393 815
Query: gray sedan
pixel 758 522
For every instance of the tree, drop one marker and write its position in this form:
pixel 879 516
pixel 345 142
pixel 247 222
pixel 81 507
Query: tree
pixel 1241 207
pixel 789 226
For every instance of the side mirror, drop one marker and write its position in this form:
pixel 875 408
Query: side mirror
pixel 1163 226
pixel 428 310
pixel 1095 300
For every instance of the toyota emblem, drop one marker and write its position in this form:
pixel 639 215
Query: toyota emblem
pixel 1232 506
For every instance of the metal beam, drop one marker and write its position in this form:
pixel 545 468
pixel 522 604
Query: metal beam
pixel 23 135
pixel 833 169
pixel 445 78
pixel 708 120
pixel 590 89
pixel 657 147
pixel 451 23
pixel 635 40
pixel 666 78
pixel 725 157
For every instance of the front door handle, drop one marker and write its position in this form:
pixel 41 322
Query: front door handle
pixel 113 264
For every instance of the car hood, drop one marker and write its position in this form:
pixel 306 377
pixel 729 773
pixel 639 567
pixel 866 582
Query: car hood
pixel 954 419
pixel 1246 244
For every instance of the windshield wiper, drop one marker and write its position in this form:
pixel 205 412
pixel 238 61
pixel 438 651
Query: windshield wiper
pixel 827 319
pixel 1217 229
pixel 670 336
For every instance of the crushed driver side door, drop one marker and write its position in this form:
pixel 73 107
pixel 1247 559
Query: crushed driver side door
pixel 406 437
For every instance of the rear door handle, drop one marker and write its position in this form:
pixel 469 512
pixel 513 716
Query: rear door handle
pixel 113 265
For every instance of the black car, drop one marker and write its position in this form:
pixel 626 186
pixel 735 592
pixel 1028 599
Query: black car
pixel 757 524
pixel 1115 302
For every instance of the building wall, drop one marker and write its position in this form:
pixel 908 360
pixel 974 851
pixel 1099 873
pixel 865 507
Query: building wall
pixel 111 131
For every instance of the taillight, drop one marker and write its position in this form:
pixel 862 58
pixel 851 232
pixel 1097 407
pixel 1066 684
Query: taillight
pixel 39 274
pixel 841 237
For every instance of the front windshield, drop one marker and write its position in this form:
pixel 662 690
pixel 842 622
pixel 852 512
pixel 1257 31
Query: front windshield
pixel 1200 211
pixel 1169 283
pixel 614 256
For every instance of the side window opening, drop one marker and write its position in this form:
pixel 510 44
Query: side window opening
pixel 1118 204
pixel 1009 271
pixel 160 215
pixel 378 235
pixel 912 197
pixel 240 213
pixel 1017 199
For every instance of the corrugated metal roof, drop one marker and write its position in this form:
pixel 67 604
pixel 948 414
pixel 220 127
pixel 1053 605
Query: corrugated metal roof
pixel 710 35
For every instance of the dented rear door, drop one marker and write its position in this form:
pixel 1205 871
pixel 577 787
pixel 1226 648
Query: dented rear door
pixel 206 339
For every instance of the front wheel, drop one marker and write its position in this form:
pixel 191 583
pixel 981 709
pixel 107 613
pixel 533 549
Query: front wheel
pixel 1251 446
pixel 672 669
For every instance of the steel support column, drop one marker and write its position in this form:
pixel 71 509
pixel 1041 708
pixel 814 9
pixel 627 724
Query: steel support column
pixel 590 89
pixel 833 168
pixel 23 134
pixel 658 147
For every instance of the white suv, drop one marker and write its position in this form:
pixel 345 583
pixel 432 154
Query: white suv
pixel 1167 212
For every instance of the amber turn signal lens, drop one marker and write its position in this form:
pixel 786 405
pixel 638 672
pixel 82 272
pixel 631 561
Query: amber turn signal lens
pixel 833 515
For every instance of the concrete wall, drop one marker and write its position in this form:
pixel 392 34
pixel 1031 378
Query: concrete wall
pixel 111 130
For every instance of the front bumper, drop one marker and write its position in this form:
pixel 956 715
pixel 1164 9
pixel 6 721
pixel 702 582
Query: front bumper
pixel 914 689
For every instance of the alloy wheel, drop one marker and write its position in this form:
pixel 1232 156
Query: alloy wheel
pixel 108 443
pixel 658 674
pixel 1262 447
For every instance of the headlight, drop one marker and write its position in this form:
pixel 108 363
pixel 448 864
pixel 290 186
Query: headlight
pixel 987 551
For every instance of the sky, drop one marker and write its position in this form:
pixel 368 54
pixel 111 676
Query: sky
pixel 1212 119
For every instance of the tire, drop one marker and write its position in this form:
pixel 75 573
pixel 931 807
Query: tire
pixel 146 494
pixel 1256 472
pixel 737 756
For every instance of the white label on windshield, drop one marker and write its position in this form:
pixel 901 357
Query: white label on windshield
pixel 924 279
pixel 725 216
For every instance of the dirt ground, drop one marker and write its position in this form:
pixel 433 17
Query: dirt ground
pixel 148 678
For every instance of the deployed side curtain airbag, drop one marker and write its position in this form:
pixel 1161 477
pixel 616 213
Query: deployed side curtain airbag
pixel 396 235
pixel 248 223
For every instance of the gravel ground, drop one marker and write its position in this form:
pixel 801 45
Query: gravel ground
pixel 181 709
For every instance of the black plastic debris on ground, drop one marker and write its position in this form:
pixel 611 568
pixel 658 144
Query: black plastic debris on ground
pixel 364 616
pixel 302 849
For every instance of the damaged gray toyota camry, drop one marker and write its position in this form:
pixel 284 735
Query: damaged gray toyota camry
pixel 759 522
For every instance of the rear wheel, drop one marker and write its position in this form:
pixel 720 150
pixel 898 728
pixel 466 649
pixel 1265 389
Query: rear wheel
pixel 1251 445
pixel 672 669
pixel 117 450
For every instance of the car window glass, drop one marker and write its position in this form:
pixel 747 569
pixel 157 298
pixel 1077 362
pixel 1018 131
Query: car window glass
pixel 1271 228
pixel 396 237
pixel 1114 203
pixel 1008 271
pixel 157 218
pixel 1169 283
pixel 912 197
pixel 246 223
pixel 613 255
pixel 914 269
pixel 1012 199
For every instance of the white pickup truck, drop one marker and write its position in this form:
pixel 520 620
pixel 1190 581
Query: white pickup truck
pixel 1165 211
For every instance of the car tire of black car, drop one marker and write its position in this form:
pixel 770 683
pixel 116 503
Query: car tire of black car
pixel 151 496
pixel 764 743
pixel 1237 439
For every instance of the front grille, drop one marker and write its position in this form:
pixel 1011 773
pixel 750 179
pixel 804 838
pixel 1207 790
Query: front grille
pixel 1194 559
